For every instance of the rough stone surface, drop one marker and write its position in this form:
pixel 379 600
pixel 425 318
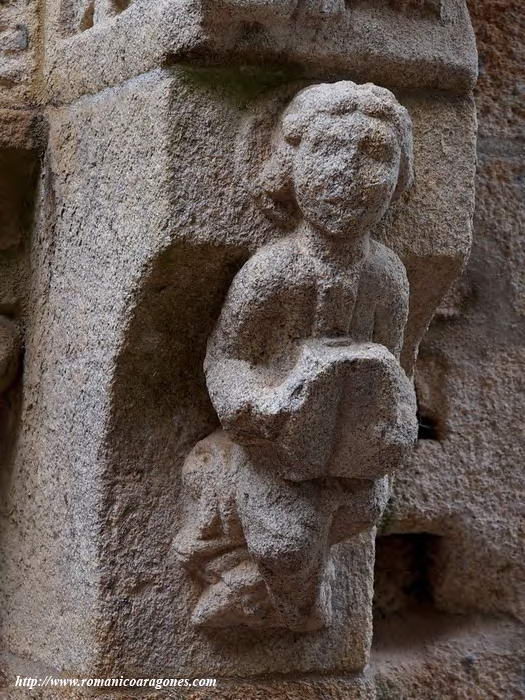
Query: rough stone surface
pixel 434 656
pixel 458 512
pixel 401 43
pixel 470 382
pixel 19 52
pixel 160 190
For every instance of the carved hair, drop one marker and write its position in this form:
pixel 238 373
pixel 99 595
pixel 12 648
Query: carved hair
pixel 274 191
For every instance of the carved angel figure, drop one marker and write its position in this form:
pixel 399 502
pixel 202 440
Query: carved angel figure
pixel 303 370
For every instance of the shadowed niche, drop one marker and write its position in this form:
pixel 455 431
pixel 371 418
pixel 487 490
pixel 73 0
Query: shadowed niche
pixel 404 573
pixel 160 409
pixel 18 177
pixel 165 346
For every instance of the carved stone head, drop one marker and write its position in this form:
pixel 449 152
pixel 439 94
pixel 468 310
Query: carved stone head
pixel 342 153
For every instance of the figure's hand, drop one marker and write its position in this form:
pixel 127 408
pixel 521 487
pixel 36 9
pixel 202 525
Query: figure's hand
pixel 260 420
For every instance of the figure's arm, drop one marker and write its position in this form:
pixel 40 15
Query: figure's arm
pixel 396 437
pixel 238 366
pixel 391 313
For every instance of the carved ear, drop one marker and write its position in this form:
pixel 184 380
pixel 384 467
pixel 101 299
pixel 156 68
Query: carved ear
pixel 273 189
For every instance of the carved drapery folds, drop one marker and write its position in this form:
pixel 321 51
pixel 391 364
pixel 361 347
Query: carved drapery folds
pixel 303 370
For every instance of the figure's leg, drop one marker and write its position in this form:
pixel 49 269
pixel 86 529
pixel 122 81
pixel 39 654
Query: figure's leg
pixel 286 526
pixel 211 543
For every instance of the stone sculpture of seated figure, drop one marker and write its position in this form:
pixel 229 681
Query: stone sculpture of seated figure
pixel 303 370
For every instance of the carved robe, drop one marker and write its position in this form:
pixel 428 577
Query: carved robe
pixel 304 359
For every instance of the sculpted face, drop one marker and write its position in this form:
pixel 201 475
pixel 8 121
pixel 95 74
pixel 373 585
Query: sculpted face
pixel 345 173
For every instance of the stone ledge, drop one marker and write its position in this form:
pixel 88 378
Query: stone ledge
pixel 367 41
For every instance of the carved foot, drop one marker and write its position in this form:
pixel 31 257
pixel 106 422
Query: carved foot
pixel 239 598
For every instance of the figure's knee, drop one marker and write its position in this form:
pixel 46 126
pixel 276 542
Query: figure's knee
pixel 207 463
pixel 288 557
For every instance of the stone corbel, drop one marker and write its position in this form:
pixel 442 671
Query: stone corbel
pixel 303 370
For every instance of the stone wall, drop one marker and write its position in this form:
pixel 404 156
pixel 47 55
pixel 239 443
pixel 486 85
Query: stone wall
pixel 453 540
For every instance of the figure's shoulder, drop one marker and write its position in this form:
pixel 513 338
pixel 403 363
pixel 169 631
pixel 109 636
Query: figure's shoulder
pixel 385 268
pixel 270 265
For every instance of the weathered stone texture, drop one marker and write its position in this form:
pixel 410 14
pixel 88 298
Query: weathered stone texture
pixel 466 488
pixel 476 349
pixel 68 317
pixel 145 214
pixel 19 49
pixel 433 657
pixel 500 27
pixel 390 44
